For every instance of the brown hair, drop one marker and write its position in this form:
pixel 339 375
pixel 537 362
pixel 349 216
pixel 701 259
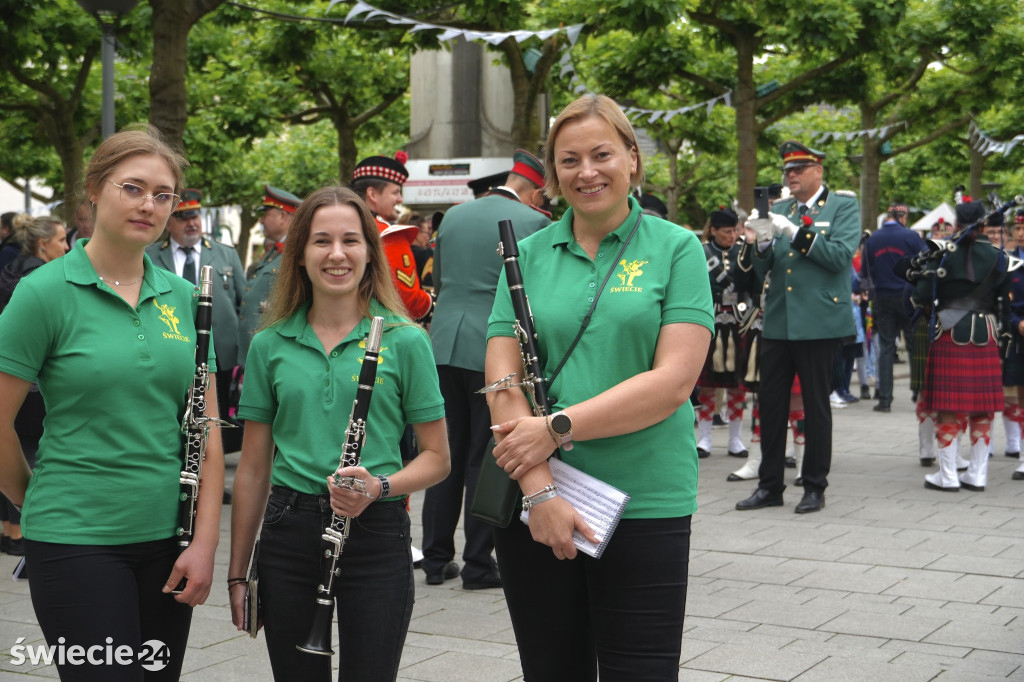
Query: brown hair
pixel 30 231
pixel 293 287
pixel 136 140
pixel 586 106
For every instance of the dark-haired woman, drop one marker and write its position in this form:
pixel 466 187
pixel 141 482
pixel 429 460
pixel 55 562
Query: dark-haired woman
pixel 300 381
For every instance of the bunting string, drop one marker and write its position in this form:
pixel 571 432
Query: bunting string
pixel 365 12
pixel 986 145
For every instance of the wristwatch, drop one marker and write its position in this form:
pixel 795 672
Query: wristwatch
pixel 561 424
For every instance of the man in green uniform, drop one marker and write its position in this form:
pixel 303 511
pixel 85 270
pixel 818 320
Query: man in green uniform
pixel 183 251
pixel 278 208
pixel 807 242
pixel 466 270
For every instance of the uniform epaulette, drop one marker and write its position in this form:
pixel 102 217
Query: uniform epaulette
pixel 846 193
pixel 165 243
pixel 206 243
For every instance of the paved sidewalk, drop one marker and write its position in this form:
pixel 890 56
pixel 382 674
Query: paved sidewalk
pixel 889 582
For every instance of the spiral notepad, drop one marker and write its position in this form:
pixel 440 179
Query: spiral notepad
pixel 601 505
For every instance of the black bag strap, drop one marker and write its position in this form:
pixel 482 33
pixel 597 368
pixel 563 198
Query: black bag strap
pixel 590 313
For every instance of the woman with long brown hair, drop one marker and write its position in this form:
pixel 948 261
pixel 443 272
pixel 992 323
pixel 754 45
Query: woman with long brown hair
pixel 300 382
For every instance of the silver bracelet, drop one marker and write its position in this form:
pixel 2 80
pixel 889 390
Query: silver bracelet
pixel 543 495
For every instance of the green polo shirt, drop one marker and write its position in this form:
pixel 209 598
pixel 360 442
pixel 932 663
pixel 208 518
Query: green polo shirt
pixel 307 395
pixel 660 279
pixel 114 380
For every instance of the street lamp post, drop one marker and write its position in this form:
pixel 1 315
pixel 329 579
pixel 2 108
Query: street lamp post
pixel 108 13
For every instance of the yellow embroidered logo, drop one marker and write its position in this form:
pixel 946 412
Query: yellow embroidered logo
pixel 630 271
pixel 168 317
pixel 380 355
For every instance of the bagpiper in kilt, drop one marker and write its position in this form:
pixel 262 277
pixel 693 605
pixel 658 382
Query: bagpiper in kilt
pixel 726 362
pixel 964 377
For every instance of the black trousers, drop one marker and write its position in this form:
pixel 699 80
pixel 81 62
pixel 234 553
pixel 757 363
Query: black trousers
pixel 469 431
pixel 620 615
pixel 812 361
pixel 110 596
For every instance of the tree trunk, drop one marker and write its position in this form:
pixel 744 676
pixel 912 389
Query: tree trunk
pixel 745 102
pixel 168 97
pixel 247 219
pixel 977 167
pixel 869 171
pixel 347 150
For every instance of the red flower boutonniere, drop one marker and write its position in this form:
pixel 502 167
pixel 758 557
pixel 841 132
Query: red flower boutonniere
pixel 806 220
pixel 279 246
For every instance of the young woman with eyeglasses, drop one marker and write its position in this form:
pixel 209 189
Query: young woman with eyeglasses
pixel 110 339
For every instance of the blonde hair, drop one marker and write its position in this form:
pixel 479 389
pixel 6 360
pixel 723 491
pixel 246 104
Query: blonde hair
pixel 293 287
pixel 586 106
pixel 30 231
pixel 136 140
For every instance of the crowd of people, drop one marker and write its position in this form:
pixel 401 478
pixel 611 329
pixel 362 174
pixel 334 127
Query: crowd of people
pixel 97 354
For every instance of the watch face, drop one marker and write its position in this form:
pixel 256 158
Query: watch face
pixel 561 424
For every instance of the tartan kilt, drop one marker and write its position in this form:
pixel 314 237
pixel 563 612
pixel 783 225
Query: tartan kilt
pixel 962 378
pixel 918 353
pixel 727 343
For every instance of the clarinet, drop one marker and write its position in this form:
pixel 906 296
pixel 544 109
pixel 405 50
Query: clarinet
pixel 533 377
pixel 335 535
pixel 195 424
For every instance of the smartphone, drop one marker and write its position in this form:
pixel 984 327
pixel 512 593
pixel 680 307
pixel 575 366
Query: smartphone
pixel 761 201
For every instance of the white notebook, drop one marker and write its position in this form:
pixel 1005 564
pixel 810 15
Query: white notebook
pixel 601 505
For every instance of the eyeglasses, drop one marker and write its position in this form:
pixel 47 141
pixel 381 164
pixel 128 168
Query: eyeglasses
pixel 133 195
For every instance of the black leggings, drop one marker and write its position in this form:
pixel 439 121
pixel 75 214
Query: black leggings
pixel 89 594
pixel 621 614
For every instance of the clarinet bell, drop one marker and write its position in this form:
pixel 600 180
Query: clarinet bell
pixel 319 639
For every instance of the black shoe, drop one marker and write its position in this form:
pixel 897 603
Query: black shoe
pixel 5 542
pixel 881 408
pixel 975 488
pixel 227 497
pixel 484 583
pixel 1018 476
pixel 814 500
pixel 927 461
pixel 741 453
pixel 702 453
pixel 865 392
pixel 16 547
pixel 848 397
pixel 791 462
pixel 760 498
pixel 717 420
pixel 1015 455
pixel 932 486
pixel 450 570
pixel 799 482
pixel 876 395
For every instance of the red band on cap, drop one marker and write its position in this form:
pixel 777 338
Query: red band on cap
pixel 529 173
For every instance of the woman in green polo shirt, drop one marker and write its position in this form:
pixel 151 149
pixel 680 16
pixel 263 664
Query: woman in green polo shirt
pixel 301 377
pixel 110 339
pixel 626 417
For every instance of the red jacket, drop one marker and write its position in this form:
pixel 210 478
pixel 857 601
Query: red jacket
pixel 397 241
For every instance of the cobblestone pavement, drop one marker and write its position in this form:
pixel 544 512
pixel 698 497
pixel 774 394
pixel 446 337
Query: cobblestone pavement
pixel 889 582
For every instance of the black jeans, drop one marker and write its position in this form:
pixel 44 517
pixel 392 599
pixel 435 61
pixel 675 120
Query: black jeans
pixel 621 614
pixel 890 320
pixel 89 594
pixel 373 593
